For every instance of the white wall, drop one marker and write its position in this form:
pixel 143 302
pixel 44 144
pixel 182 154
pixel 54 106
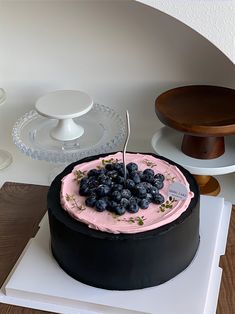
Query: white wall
pixel 123 53
pixel 213 19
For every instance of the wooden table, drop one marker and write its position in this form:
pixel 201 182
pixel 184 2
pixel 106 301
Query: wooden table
pixel 22 207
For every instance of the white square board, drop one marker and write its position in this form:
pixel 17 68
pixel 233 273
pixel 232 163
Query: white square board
pixel 38 282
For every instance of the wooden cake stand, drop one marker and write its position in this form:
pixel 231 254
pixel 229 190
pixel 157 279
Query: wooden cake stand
pixel 205 114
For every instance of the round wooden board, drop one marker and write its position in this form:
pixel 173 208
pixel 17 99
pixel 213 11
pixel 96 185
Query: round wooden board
pixel 201 110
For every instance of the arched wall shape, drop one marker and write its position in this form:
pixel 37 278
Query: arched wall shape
pixel 213 19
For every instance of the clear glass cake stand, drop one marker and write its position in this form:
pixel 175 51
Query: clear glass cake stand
pixel 5 157
pixel 104 130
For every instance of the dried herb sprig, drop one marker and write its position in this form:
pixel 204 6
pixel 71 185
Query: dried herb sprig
pixel 109 161
pixel 79 175
pixel 168 204
pixel 71 198
pixel 139 220
pixel 169 177
pixel 149 163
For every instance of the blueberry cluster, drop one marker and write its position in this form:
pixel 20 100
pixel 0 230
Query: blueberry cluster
pixel 105 188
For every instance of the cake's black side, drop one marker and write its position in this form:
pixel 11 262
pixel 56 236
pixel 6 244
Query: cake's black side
pixel 122 261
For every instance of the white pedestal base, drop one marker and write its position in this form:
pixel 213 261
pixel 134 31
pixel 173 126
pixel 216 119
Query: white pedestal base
pixel 66 130
pixel 38 281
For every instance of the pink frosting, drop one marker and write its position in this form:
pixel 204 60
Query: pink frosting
pixel 146 219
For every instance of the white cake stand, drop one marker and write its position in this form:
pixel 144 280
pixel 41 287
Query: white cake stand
pixel 167 142
pixel 65 105
pixel 5 157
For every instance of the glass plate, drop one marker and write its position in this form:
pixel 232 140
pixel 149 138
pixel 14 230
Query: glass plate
pixel 104 131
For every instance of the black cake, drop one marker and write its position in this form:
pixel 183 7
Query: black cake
pixel 122 261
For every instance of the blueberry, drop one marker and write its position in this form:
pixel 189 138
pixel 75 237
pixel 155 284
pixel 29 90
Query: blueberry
pixel 136 178
pixel 109 167
pixel 102 190
pixel 131 166
pixel 91 178
pixel 116 196
pixel 84 180
pixel 159 177
pixel 148 178
pixel 119 180
pixel 130 184
pixel 120 210
pixel 148 172
pixel 102 171
pixel 138 200
pixel 92 193
pixel 132 199
pixel 90 201
pixel 108 182
pixel 124 202
pixel 144 203
pixel 133 208
pixel 112 174
pixel 141 175
pixel 93 184
pixel 158 184
pixel 101 205
pixel 121 172
pixel 154 190
pixel 101 178
pixel 132 174
pixel 126 193
pixel 158 199
pixel 84 190
pixel 141 185
pixel 117 187
pixel 140 191
pixel 118 166
pixel 149 197
pixel 93 173
pixel 113 205
pixel 148 186
pixel 107 200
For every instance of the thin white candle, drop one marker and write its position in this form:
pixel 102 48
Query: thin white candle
pixel 125 144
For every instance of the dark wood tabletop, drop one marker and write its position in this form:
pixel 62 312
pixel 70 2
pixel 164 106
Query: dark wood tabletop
pixel 22 207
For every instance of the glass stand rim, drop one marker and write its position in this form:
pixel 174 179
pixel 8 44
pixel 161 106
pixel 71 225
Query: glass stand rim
pixel 5 159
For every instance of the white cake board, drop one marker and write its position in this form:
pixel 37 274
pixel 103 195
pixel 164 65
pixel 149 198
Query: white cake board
pixel 38 282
